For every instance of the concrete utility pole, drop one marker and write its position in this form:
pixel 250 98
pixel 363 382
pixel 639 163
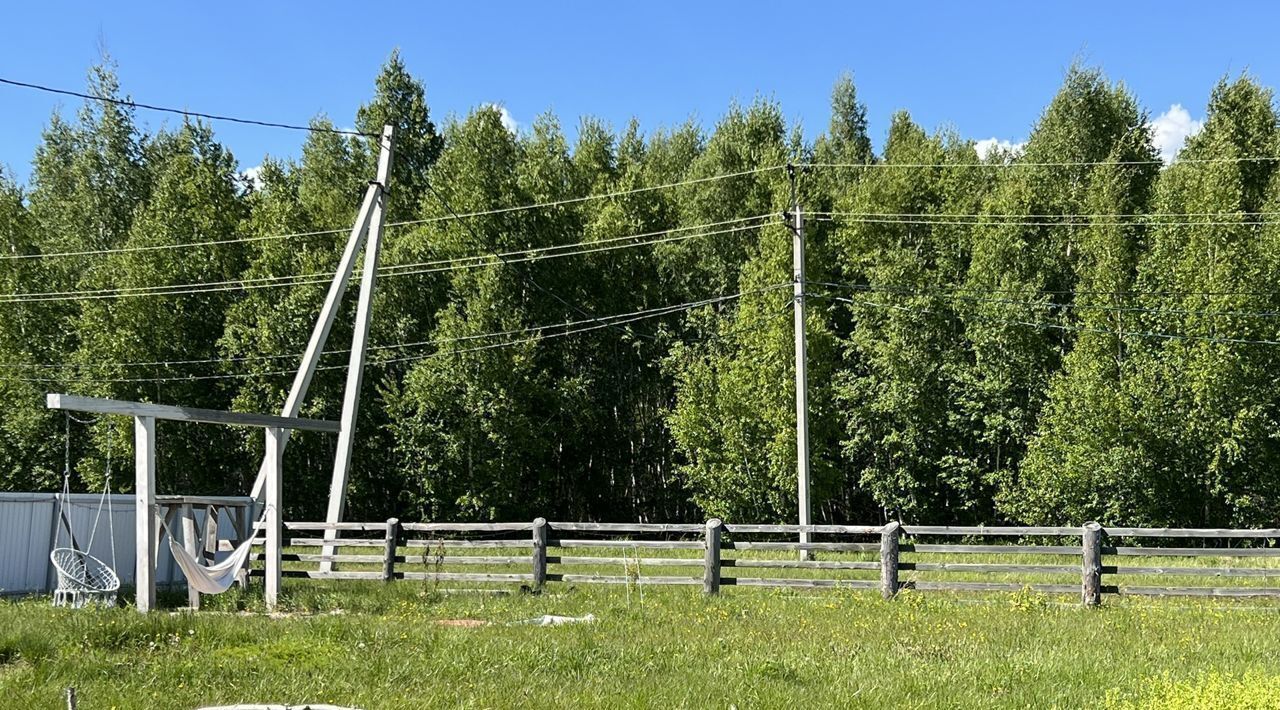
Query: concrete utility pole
pixel 802 365
pixel 359 342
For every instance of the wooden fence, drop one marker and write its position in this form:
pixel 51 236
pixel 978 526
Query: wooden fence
pixel 1061 560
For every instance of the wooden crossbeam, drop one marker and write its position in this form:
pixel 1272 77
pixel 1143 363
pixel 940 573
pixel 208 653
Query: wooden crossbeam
pixel 184 414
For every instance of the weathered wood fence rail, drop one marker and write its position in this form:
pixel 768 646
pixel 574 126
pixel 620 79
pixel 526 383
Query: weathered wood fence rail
pixel 718 554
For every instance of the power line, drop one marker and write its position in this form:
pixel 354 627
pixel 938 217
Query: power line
pixel 294 356
pixel 183 112
pixel 588 198
pixel 1058 326
pixel 1060 292
pixel 414 222
pixel 606 241
pixel 1008 221
pixel 1050 215
pixel 163 247
pixel 1019 164
pixel 597 324
pixel 440 265
pixel 971 219
pixel 626 318
pixel 1050 305
pixel 526 276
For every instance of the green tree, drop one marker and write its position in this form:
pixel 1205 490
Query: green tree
pixel 29 447
pixel 1022 274
pixel 1090 458
pixel 906 354
pixel 1209 397
pixel 267 328
pixel 196 198
pixel 466 425
pixel 87 179
pixel 846 140
pixel 317 200
pixel 733 421
pixel 400 101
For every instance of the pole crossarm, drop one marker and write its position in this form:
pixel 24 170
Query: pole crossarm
pixel 98 405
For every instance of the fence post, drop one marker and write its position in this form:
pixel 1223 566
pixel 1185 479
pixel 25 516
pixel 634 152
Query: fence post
pixel 889 559
pixel 711 558
pixel 1091 565
pixel 539 554
pixel 389 550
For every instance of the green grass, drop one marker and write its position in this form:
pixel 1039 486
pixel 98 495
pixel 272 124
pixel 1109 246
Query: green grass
pixel 674 648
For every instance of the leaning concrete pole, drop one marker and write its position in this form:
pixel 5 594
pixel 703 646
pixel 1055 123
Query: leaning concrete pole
pixel 324 323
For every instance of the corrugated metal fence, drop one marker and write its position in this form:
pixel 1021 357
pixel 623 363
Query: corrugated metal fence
pixel 28 530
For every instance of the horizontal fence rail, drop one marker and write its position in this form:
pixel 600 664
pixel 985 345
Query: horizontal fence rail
pixel 889 557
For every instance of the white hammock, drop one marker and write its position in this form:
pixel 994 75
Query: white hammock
pixel 211 579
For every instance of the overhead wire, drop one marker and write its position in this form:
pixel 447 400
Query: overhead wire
pixel 1052 215
pixel 1057 292
pixel 570 327
pixel 439 265
pixel 175 362
pixel 291 356
pixel 165 247
pixel 970 219
pixel 522 274
pixel 1074 305
pixel 1015 163
pixel 410 222
pixel 1056 326
pixel 1001 221
pixel 588 198
pixel 627 318
pixel 183 112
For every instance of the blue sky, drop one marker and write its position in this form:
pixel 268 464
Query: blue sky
pixel 986 69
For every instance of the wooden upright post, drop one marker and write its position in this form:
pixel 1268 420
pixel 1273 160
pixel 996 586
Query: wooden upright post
pixel 889 559
pixel 274 494
pixel 191 543
pixel 539 554
pixel 359 342
pixel 144 501
pixel 1091 565
pixel 244 531
pixel 711 558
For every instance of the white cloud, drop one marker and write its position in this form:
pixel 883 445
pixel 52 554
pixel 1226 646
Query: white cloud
pixel 1171 129
pixel 986 145
pixel 508 121
pixel 253 176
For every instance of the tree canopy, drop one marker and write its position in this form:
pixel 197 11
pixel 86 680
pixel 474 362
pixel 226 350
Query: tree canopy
pixel 594 323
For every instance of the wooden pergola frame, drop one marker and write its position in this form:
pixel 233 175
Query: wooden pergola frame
pixel 144 432
pixel 366 237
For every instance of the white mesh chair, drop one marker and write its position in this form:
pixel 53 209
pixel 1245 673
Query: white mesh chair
pixel 82 579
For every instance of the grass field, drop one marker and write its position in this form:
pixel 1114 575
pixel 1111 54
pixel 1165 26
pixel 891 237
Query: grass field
pixel 381 646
